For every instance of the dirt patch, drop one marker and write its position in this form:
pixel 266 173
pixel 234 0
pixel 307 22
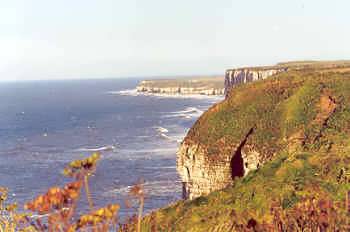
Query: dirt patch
pixel 327 107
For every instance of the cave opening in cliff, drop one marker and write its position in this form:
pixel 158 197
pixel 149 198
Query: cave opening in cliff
pixel 185 188
pixel 237 162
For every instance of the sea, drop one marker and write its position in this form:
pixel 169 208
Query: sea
pixel 44 125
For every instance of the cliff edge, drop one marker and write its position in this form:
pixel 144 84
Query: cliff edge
pixel 237 76
pixel 234 77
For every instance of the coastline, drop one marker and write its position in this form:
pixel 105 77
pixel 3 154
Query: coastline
pixel 201 85
pixel 129 131
pixel 135 93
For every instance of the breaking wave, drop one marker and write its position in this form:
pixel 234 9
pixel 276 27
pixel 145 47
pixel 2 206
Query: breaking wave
pixel 162 132
pixel 126 92
pixel 161 129
pixel 104 148
pixel 188 113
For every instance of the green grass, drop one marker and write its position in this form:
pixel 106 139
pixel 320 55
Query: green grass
pixel 277 108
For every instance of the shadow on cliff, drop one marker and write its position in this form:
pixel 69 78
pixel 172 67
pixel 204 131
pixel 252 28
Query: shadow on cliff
pixel 237 163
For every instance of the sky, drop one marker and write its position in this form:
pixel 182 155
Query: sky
pixel 68 39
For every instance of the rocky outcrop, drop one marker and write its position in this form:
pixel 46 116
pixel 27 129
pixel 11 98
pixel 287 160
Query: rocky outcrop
pixel 201 174
pixel 198 173
pixel 202 86
pixel 235 77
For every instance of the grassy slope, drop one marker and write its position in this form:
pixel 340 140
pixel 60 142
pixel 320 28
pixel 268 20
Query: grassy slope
pixel 281 108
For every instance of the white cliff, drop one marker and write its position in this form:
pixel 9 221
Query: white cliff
pixel 202 86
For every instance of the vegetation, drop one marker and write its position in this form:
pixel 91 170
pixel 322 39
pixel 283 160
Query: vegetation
pixel 280 109
pixel 308 65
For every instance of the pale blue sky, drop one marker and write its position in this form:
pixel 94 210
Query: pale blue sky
pixel 53 39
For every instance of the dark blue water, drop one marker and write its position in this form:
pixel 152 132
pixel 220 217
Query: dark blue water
pixel 46 124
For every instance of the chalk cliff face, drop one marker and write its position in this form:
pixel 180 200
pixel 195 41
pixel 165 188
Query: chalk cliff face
pixel 202 174
pixel 199 174
pixel 235 77
pixel 202 86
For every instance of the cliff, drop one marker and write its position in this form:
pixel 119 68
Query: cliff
pixel 183 86
pixel 250 126
pixel 270 143
pixel 237 76
pixel 234 77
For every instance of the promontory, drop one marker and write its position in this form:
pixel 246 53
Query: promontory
pixel 208 85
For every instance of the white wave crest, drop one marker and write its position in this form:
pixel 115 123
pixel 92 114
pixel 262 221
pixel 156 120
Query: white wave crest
pixel 126 92
pixel 165 136
pixel 188 113
pixel 162 132
pixel 161 129
pixel 104 148
pixel 177 139
pixel 192 110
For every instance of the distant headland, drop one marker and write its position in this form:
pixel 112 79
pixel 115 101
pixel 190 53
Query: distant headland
pixel 201 85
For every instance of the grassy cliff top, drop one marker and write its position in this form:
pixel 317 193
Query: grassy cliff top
pixel 295 108
pixel 305 64
pixel 301 120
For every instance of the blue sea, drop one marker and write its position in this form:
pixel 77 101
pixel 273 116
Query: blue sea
pixel 46 124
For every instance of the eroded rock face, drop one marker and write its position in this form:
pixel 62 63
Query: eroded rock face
pixel 235 77
pixel 201 174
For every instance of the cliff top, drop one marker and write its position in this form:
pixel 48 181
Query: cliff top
pixel 306 64
pixel 278 109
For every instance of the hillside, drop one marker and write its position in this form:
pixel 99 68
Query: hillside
pixel 278 143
